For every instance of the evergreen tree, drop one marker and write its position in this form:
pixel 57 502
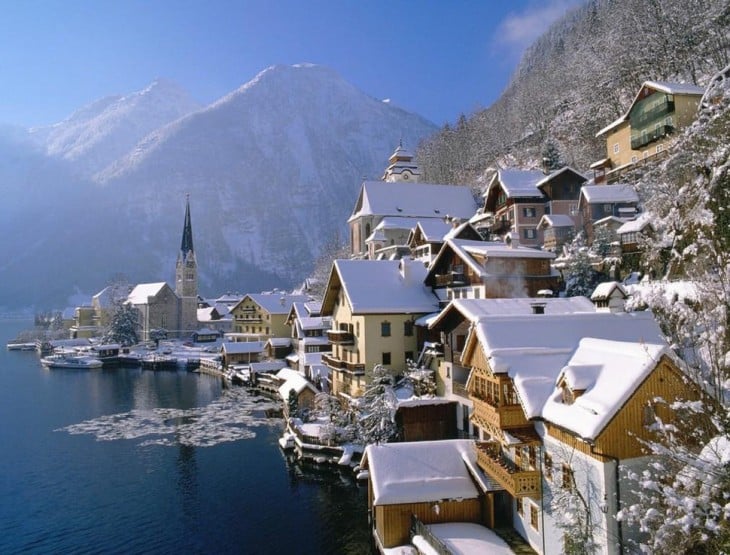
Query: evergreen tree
pixel 292 404
pixel 123 326
pixel 377 408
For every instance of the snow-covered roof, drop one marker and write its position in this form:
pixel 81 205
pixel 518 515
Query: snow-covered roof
pixel 268 366
pixel 609 372
pixel 517 183
pixel 604 290
pixel 556 173
pixel 599 163
pixel 242 347
pixel 422 471
pixel 413 200
pixel 293 380
pixel 384 286
pixel 620 192
pixel 556 220
pixel 434 229
pixel 141 293
pixel 533 349
pixel 275 302
pixel 279 342
pixel 462 538
pixel 636 225
pixel 474 309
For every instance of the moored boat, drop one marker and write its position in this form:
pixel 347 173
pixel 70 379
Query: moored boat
pixel 159 362
pixel 82 362
pixel 21 346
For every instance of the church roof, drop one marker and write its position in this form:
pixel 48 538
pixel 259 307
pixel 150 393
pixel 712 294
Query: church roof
pixel 186 245
pixel 142 292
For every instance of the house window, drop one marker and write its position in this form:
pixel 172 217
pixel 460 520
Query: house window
pixel 408 328
pixel 519 503
pixel 548 466
pixel 385 329
pixel 533 517
pixel 409 356
pixel 607 208
pixel 528 212
pixel 646 154
pixel 634 159
pixel 659 148
pixel 477 293
pixel 567 477
pixel 529 233
pixel 386 359
pixel 615 148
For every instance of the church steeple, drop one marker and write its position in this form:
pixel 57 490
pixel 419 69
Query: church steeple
pixel 186 271
pixel 401 166
pixel 187 237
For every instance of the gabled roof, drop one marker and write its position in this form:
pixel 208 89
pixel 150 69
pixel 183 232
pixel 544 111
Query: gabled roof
pixel 275 302
pixel 433 230
pixel 619 192
pixel 413 200
pixel 517 183
pixel 141 293
pixel 422 471
pixel 561 171
pixel 660 86
pixel 294 381
pixel 534 349
pixel 474 309
pixel 606 289
pixel 380 287
pixel 555 220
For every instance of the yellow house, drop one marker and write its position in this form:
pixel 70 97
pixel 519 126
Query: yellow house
pixel 373 305
pixel 561 401
pixel 264 315
pixel 658 110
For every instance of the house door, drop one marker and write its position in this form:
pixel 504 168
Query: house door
pixel 503 506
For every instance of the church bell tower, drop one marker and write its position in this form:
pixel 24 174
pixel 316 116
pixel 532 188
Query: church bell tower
pixel 186 278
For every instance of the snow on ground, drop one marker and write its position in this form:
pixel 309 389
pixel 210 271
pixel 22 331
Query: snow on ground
pixel 231 417
pixel 466 538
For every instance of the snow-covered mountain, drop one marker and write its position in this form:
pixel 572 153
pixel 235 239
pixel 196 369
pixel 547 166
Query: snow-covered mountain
pixel 99 133
pixel 272 169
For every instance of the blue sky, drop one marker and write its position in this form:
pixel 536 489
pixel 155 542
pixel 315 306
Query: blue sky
pixel 439 58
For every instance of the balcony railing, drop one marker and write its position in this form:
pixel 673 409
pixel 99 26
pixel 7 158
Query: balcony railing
pixel 249 319
pixel 459 389
pixel 340 337
pixel 418 528
pixel 452 278
pixel 338 364
pixel 504 417
pixel 519 483
pixel 640 139
pixel 641 117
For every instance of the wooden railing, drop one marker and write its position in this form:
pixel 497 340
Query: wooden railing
pixel 340 337
pixel 339 364
pixel 504 417
pixel 459 389
pixel 451 278
pixel 518 482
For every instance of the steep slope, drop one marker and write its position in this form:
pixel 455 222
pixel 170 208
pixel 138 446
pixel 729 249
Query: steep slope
pixel 99 133
pixel 579 77
pixel 273 170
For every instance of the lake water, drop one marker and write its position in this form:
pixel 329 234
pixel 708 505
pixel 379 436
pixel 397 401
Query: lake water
pixel 133 461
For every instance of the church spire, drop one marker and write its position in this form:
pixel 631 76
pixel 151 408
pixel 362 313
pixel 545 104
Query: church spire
pixel 186 247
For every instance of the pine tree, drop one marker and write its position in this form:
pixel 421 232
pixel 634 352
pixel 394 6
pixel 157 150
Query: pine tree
pixel 377 408
pixel 123 326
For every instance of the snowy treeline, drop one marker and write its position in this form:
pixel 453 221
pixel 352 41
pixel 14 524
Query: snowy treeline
pixel 577 78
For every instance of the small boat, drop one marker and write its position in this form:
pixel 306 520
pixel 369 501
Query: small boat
pixel 287 441
pixel 71 361
pixel 21 346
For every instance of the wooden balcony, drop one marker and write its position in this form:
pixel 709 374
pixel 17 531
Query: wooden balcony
pixel 518 482
pixel 459 389
pixel 247 319
pixel 340 337
pixel 503 418
pixel 341 365
pixel 452 278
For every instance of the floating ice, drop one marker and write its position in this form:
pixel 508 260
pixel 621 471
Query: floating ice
pixel 229 418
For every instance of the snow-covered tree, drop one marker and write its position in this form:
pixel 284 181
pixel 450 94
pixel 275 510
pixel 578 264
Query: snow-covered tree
pixel 123 325
pixel 580 276
pixel 377 408
pixel 292 404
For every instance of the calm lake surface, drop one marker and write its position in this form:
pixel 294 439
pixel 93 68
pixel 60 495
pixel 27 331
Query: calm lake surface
pixel 133 461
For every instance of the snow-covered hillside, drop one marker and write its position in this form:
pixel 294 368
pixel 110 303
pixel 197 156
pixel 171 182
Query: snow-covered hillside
pixel 272 169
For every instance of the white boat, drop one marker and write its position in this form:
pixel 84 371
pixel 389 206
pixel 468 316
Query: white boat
pixel 21 346
pixel 71 361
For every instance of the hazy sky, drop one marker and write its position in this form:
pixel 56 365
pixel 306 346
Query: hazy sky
pixel 438 58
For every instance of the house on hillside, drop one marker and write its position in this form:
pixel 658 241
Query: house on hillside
pixel 264 315
pixel 386 211
pixel 373 305
pixel 560 401
pixel 488 269
pixel 658 111
pixel 602 201
pixel 426 239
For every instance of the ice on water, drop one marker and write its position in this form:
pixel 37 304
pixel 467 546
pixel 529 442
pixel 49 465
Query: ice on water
pixel 231 417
